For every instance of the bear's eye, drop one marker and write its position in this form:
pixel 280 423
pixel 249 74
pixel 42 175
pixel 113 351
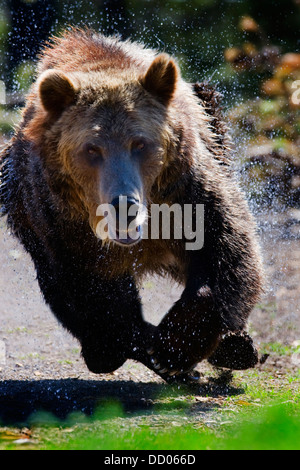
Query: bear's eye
pixel 138 145
pixel 93 152
pixel 91 149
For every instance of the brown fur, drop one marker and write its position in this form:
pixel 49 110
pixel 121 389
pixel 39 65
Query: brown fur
pixel 118 97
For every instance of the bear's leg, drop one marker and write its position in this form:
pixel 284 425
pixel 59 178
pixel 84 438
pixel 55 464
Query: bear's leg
pixel 113 340
pixel 189 333
pixel 197 327
pixel 104 315
pixel 118 330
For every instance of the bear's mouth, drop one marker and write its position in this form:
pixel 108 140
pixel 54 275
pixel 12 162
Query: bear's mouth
pixel 127 237
pixel 121 223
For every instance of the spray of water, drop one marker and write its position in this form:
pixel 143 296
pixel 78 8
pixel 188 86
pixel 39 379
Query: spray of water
pixel 198 40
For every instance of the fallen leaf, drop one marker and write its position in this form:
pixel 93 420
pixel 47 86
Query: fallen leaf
pixel 244 403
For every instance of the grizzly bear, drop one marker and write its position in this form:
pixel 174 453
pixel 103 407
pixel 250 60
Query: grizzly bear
pixel 108 119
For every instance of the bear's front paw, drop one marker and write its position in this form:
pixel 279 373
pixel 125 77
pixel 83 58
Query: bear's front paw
pixel 168 356
pixel 185 337
pixel 235 351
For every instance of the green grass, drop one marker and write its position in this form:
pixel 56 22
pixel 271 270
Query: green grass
pixel 263 414
pixel 270 428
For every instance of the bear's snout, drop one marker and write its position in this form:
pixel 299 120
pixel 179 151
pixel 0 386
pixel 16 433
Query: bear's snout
pixel 127 217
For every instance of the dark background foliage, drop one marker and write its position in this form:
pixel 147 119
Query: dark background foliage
pixel 196 31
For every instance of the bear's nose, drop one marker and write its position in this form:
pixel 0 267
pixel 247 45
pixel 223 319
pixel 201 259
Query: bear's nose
pixel 126 209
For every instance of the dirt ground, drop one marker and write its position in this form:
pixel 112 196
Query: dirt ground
pixel 40 363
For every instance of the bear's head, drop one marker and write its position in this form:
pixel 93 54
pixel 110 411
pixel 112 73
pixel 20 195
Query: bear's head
pixel 107 134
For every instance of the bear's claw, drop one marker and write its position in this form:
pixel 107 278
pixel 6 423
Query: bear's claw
pixel 173 375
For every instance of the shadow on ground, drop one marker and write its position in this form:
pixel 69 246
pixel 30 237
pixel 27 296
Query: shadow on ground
pixel 20 399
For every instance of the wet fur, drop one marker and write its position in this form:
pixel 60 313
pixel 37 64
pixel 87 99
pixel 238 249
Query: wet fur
pixel 91 288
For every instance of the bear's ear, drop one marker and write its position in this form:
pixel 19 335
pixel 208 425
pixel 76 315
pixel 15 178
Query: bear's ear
pixel 161 78
pixel 56 92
